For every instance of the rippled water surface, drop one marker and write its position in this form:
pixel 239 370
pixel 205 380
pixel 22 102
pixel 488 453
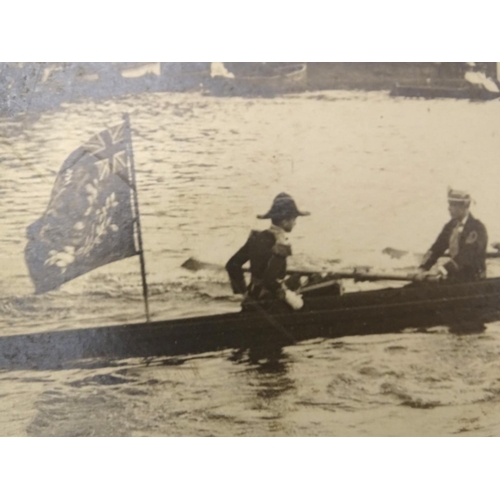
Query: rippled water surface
pixel 373 171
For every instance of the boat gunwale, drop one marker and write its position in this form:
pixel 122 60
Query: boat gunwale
pixel 302 316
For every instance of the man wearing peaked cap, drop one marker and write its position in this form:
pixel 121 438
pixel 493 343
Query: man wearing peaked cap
pixel 464 238
pixel 267 252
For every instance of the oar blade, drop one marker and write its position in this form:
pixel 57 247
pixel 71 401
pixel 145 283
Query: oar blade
pixel 193 264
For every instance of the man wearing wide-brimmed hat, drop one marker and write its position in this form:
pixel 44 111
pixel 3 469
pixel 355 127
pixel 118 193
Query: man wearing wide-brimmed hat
pixel 464 238
pixel 267 252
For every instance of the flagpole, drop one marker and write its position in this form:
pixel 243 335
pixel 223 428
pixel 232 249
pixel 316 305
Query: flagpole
pixel 138 219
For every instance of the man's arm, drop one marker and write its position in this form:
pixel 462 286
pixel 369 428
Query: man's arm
pixel 437 250
pixel 235 271
pixel 276 267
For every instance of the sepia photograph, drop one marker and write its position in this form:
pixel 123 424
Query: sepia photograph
pixel 249 249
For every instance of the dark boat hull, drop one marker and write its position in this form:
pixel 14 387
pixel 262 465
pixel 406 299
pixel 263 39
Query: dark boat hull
pixel 443 92
pixel 460 306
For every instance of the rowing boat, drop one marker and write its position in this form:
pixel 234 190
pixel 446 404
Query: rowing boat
pixel 461 306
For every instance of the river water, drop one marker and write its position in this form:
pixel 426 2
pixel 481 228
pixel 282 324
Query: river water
pixel 373 170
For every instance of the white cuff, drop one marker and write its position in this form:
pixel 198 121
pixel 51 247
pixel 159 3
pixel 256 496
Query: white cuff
pixel 294 300
pixel 442 270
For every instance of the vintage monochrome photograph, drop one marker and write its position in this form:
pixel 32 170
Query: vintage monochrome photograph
pixel 249 249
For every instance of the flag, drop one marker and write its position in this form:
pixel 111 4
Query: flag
pixel 89 221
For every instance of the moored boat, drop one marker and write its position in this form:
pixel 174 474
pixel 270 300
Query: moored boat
pixel 462 306
pixel 261 80
pixel 436 91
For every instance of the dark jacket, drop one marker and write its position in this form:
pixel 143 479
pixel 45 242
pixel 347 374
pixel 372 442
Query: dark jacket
pixel 267 265
pixel 470 262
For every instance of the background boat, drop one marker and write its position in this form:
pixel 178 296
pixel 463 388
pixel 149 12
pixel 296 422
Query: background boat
pixel 261 79
pixel 474 81
pixel 462 90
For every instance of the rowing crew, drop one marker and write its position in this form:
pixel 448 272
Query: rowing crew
pixel 463 237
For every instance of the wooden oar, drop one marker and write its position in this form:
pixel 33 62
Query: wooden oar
pixel 358 277
pixel 395 253
pixel 195 265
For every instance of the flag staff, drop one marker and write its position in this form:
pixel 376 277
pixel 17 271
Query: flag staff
pixel 138 219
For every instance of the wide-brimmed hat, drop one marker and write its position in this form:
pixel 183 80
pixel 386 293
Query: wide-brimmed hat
pixel 283 207
pixel 457 196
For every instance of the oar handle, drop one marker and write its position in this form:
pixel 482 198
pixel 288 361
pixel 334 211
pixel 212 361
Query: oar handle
pixel 358 277
pixel 300 272
pixel 383 277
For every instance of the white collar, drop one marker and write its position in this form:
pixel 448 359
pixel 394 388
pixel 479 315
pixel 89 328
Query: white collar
pixel 280 234
pixel 276 229
pixel 461 224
